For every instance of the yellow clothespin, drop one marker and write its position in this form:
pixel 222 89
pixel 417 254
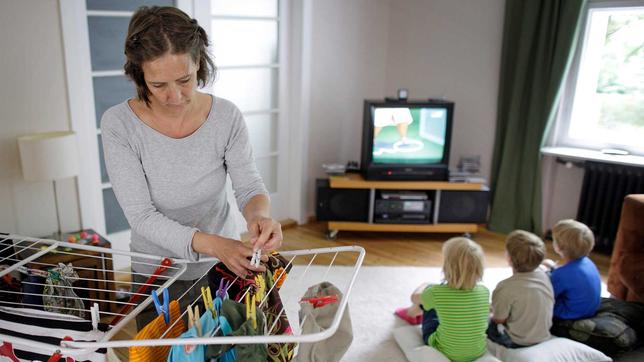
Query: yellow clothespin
pixel 247 303
pixel 251 309
pixel 207 300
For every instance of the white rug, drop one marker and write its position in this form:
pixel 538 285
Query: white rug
pixel 377 292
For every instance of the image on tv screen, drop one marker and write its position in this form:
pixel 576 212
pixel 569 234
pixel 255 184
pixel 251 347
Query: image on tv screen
pixel 409 135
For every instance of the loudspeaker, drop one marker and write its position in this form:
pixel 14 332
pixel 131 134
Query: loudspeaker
pixel 468 207
pixel 340 204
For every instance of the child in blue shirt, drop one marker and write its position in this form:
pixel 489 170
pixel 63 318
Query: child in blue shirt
pixel 576 282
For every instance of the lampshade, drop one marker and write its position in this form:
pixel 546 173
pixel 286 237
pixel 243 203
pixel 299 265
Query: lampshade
pixel 48 156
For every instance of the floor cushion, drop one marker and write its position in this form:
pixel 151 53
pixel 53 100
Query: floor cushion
pixel 612 330
pixel 410 341
pixel 555 349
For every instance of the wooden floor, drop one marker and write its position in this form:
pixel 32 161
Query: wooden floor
pixel 393 249
pixel 406 249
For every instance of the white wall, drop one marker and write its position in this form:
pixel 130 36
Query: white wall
pixel 348 64
pixel 451 49
pixel 33 98
pixel 368 49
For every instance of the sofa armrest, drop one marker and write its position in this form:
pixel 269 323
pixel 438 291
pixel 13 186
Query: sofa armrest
pixel 632 275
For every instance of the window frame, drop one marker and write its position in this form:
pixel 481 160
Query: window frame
pixel 559 136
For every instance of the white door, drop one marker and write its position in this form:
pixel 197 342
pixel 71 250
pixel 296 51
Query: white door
pixel 247 42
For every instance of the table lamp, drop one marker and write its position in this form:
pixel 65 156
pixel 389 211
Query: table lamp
pixel 49 156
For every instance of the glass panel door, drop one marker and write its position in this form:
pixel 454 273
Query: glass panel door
pixel 245 42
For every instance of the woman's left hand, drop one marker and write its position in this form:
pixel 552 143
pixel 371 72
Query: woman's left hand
pixel 265 233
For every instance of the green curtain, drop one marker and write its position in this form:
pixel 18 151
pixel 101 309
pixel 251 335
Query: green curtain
pixel 539 38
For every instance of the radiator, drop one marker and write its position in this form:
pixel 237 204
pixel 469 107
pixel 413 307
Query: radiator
pixel 602 194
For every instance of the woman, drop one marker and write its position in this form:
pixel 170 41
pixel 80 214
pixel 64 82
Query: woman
pixel 168 152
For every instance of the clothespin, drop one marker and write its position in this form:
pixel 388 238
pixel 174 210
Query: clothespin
pixel 256 258
pixel 194 319
pixel 222 292
pixel 318 302
pixel 162 309
pixel 191 317
pixel 95 316
pixel 197 321
pixel 207 299
pixel 251 309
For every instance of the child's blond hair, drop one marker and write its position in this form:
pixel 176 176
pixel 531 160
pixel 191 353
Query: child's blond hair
pixel 525 249
pixel 573 239
pixel 462 263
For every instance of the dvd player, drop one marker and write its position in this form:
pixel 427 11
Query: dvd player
pixel 402 211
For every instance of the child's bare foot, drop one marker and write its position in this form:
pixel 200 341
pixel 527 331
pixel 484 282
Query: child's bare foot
pixel 403 314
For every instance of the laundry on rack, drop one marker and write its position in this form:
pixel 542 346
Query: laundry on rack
pixel 58 294
pixel 10 289
pixel 270 303
pixel 236 286
pixel 196 353
pixel 235 314
pixel 277 268
pixel 317 319
pixel 7 353
pixel 154 330
pixel 33 287
pixel 46 327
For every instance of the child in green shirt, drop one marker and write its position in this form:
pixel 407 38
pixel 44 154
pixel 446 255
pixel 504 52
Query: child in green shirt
pixel 455 312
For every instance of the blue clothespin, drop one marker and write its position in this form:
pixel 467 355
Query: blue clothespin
pixel 162 308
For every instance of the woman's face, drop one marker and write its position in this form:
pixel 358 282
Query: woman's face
pixel 172 81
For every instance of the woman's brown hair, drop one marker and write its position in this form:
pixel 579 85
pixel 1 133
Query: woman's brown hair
pixel 157 30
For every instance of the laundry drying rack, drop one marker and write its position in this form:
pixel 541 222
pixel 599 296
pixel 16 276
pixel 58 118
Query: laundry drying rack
pixel 27 254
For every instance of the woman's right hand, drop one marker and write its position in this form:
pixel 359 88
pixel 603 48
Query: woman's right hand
pixel 233 253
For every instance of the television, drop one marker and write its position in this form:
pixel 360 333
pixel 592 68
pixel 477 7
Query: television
pixel 406 140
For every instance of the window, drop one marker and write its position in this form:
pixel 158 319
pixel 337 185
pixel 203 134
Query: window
pixel 603 101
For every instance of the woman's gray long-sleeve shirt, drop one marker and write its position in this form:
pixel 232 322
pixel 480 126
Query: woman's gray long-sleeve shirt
pixel 170 188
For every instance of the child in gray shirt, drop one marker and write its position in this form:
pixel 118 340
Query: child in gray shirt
pixel 522 303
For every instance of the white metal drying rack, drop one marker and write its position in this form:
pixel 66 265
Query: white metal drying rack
pixel 36 248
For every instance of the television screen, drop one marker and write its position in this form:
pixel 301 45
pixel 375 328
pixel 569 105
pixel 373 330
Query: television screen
pixel 409 135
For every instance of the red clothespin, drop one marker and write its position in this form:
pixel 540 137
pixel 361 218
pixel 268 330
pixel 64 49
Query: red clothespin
pixel 318 302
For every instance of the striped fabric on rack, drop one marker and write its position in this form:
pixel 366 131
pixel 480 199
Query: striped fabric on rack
pixel 46 327
pixel 154 330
